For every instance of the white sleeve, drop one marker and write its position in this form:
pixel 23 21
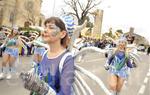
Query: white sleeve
pixel 51 91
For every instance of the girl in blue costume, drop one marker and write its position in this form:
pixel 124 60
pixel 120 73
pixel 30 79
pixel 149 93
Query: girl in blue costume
pixel 10 54
pixel 38 52
pixel 39 49
pixel 118 64
pixel 55 35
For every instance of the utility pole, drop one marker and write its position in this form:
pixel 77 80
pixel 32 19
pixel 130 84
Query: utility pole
pixel 54 6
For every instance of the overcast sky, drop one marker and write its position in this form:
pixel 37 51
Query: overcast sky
pixel 118 14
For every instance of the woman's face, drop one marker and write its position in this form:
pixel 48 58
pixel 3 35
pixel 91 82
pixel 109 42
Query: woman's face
pixel 122 45
pixel 52 33
pixel 15 32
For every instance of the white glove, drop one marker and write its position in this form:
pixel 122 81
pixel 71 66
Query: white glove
pixel 51 92
pixel 2 46
pixel 106 66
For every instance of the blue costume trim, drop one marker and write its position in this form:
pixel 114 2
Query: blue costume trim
pixel 11 42
pixel 39 50
pixel 12 51
pixel 117 59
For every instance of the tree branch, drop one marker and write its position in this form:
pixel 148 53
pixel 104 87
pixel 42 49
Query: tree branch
pixel 81 7
pixel 89 2
pixel 76 5
pixel 94 5
pixel 68 3
pixel 72 13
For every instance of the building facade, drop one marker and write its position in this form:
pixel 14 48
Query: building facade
pixel 17 12
pixel 98 17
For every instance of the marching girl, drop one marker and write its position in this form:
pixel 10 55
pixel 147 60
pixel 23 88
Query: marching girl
pixel 55 35
pixel 39 48
pixel 10 54
pixel 117 65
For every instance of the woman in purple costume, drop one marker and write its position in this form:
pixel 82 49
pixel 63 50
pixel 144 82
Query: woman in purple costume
pixel 55 35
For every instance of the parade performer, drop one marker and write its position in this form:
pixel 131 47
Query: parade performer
pixel 39 48
pixel 117 65
pixel 53 82
pixel 12 42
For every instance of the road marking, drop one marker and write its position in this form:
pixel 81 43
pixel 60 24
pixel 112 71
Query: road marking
pixel 142 89
pixel 148 74
pixel 146 80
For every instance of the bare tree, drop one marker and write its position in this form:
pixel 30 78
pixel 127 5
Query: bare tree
pixel 80 10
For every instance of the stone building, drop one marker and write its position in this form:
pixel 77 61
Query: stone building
pixel 138 39
pixel 98 17
pixel 17 12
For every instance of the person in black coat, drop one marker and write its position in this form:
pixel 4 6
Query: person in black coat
pixel 148 50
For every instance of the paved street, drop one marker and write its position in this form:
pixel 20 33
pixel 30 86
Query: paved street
pixel 137 84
